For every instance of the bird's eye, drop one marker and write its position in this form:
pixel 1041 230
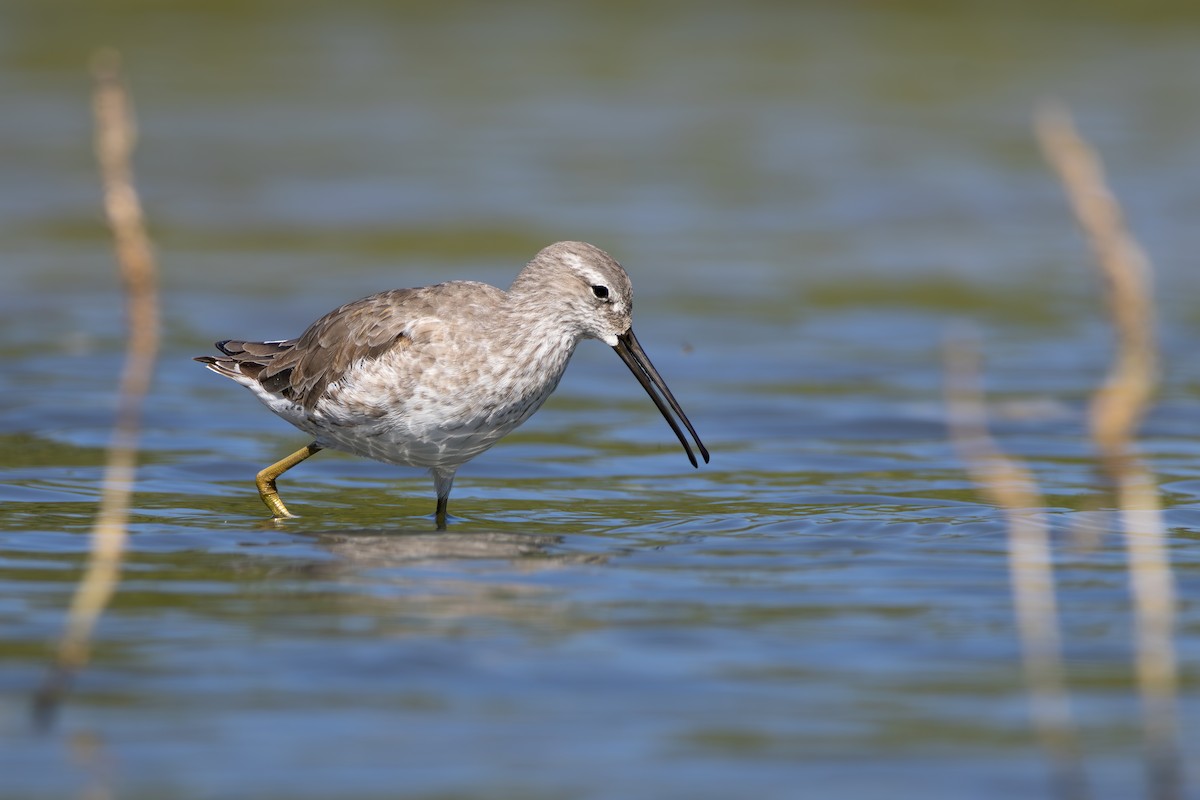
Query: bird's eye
pixel 600 291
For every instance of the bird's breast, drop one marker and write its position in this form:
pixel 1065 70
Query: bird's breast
pixel 407 409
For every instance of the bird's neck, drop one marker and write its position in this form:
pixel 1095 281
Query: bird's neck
pixel 540 338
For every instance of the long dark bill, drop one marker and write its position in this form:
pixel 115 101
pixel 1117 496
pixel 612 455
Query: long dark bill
pixel 635 358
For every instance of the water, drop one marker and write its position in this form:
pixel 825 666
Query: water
pixel 806 201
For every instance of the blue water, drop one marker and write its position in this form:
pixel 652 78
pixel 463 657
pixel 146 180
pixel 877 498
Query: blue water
pixel 808 202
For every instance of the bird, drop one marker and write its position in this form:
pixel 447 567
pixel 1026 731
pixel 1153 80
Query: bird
pixel 431 377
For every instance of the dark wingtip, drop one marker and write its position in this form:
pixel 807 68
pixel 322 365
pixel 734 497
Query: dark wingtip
pixel 205 359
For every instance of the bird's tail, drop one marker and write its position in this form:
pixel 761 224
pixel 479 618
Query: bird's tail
pixel 244 360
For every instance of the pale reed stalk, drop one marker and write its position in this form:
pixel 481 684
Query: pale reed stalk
pixel 1008 484
pixel 1117 409
pixel 114 142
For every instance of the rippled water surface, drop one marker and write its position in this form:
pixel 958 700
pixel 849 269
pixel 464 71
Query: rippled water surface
pixel 806 200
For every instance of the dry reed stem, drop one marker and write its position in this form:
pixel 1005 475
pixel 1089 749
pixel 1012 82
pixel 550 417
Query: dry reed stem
pixel 1008 484
pixel 1116 411
pixel 114 142
pixel 1118 407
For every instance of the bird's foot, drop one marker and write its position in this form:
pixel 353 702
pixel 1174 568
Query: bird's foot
pixel 271 499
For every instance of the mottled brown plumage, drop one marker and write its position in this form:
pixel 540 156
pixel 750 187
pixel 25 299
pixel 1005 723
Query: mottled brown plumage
pixel 300 369
pixel 431 377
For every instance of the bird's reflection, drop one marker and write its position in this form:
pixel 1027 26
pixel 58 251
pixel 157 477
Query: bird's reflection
pixel 421 581
pixel 381 548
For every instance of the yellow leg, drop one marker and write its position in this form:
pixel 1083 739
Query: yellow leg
pixel 266 479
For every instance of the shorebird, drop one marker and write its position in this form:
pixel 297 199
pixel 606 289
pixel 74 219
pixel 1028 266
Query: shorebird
pixel 432 377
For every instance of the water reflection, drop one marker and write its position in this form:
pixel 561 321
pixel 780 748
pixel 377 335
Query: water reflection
pixel 357 549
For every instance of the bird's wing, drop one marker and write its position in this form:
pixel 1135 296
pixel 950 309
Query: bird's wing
pixel 363 329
